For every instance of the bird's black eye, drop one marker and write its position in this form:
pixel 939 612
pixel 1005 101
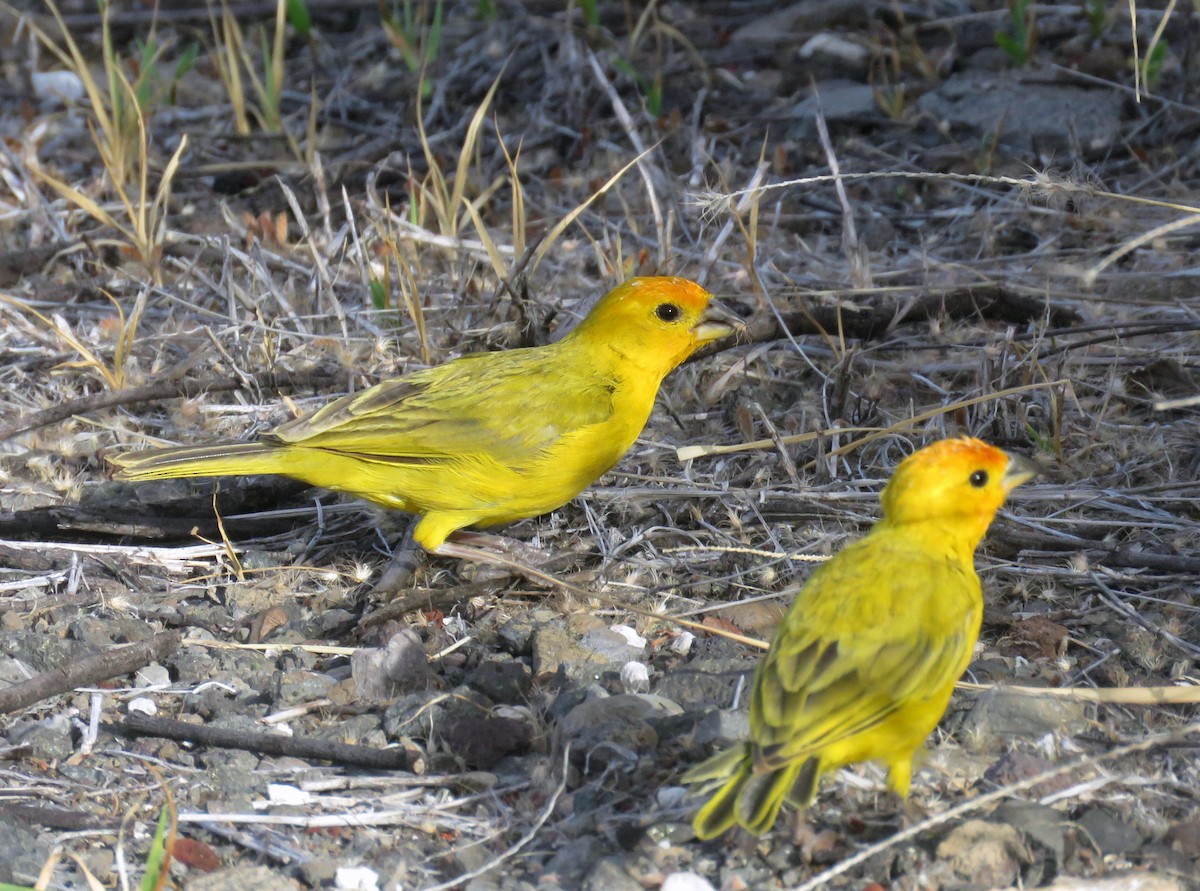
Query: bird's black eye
pixel 979 479
pixel 668 312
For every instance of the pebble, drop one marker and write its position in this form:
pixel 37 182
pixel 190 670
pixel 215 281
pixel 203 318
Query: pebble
pixel 49 739
pixel 142 705
pixel 1109 834
pixel 686 881
pixel 609 875
pixel 610 646
pixel 574 859
pixel 299 687
pixel 635 677
pixel 1041 825
pixel 985 853
pixel 381 673
pixel 1026 113
pixel 241 878
pixel 682 643
pixel 1139 881
pixel 506 681
pixel 516 635
pixel 630 635
pixel 22 851
pixel 704 683
pixel 153 675
pixel 723 728
pixel 1000 718
pixel 356 878
pixel 605 728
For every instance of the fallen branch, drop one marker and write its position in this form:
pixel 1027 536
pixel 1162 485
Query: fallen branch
pixel 89 672
pixel 264 743
pixel 57 818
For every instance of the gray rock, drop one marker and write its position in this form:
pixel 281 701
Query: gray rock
pixel 358 730
pixel 609 875
pixel 1026 113
pixel 49 739
pixel 152 675
pixel 192 665
pixel 229 777
pixel 44 652
pixel 707 682
pixel 584 659
pixel 723 728
pixel 240 878
pixel 299 687
pixel 1000 718
pixel 87 774
pixel 1039 824
pixel 786 24
pixel 573 860
pixel 103 632
pixel 22 852
pixel 383 672
pixel 12 671
pixel 985 853
pixel 605 728
pixel 319 872
pixel 1110 834
pixel 516 635
pixel 506 681
pixel 426 714
pixel 841 101
pixel 332 623
pixel 614 648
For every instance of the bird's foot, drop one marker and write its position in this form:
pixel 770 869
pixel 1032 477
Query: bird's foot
pixel 483 547
pixel 400 571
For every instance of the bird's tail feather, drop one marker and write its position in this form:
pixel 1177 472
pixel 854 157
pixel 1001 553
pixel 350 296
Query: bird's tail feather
pixel 719 813
pixel 762 795
pixel 221 459
pixel 748 799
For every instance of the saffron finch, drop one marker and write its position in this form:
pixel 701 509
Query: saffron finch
pixel 487 438
pixel 862 666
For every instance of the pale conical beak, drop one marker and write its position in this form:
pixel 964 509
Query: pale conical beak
pixel 1020 470
pixel 716 322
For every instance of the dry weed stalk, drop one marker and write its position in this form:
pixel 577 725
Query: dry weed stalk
pixel 443 196
pixel 121 139
pixel 115 375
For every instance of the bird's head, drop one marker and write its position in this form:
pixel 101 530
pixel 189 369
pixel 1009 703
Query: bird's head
pixel 657 321
pixel 958 484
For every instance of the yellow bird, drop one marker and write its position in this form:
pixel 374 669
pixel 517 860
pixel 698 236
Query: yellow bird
pixel 863 664
pixel 487 438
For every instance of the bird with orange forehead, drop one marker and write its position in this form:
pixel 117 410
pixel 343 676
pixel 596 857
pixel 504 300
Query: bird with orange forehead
pixel 487 438
pixel 862 666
